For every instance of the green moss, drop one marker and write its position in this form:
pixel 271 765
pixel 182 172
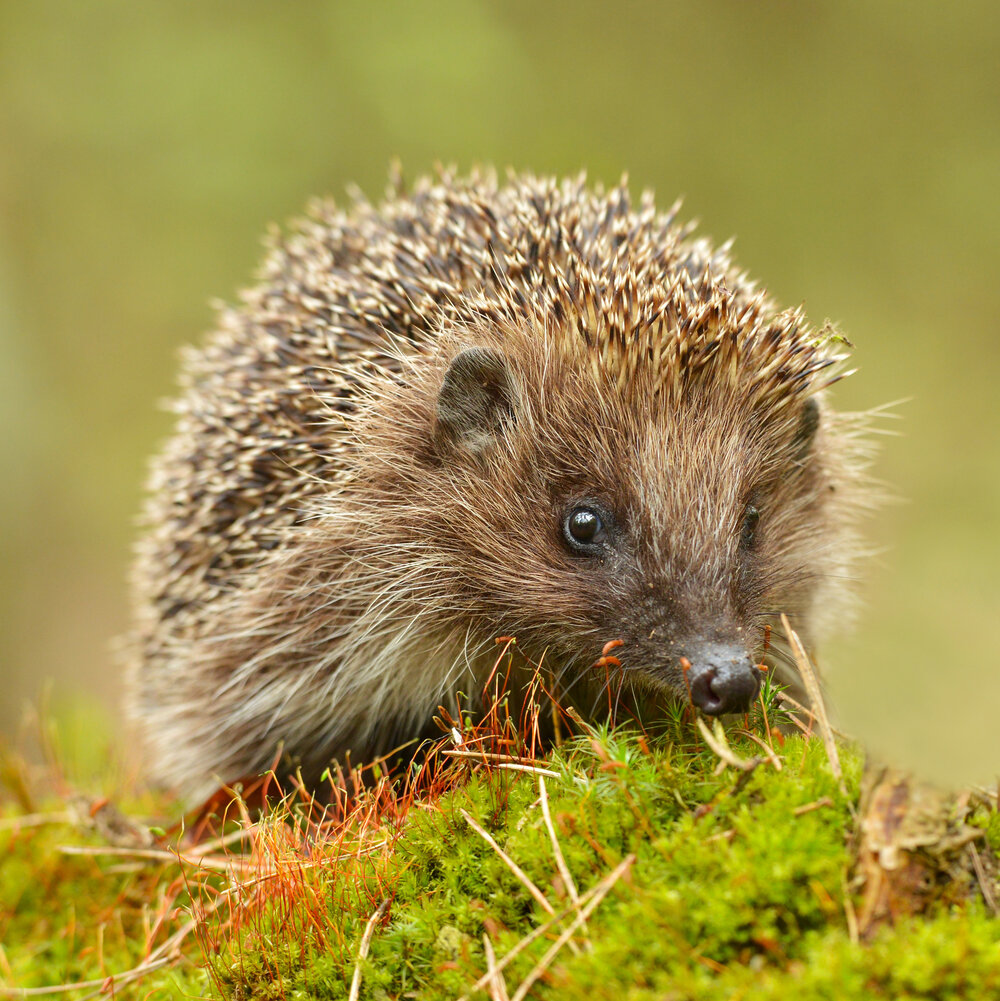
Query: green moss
pixel 736 891
pixel 67 918
pixel 992 826
pixel 733 892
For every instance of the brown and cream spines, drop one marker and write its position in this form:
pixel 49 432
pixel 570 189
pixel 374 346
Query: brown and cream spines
pixel 477 409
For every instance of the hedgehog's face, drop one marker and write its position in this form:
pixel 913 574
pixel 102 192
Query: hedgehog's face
pixel 606 517
pixel 703 653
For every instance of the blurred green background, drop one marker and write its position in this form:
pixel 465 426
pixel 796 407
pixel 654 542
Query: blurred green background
pixel 853 148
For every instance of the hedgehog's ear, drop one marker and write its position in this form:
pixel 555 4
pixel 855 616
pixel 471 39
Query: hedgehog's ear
pixel 806 430
pixel 476 402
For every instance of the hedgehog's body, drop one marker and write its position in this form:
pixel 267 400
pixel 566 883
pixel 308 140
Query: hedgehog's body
pixel 477 411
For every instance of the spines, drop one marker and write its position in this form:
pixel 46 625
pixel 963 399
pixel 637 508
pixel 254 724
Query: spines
pixel 352 306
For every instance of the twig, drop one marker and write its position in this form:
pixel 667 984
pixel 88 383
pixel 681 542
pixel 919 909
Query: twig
pixel 984 885
pixel 510 863
pixel 366 941
pixel 815 805
pixel 816 696
pixel 599 894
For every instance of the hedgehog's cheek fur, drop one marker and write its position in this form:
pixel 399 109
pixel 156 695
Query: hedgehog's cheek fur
pixel 471 414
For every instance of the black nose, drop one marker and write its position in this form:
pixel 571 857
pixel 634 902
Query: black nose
pixel 722 679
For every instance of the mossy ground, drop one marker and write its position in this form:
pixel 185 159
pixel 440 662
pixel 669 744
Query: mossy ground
pixel 736 885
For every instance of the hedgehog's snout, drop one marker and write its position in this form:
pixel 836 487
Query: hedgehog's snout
pixel 722 678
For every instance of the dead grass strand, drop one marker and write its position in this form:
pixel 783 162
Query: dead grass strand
pixel 497 985
pixel 511 864
pixel 366 941
pixel 586 898
pixel 600 892
pixel 816 696
pixel 720 747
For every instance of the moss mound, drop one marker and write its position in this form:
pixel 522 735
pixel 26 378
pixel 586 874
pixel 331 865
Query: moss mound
pixel 697 882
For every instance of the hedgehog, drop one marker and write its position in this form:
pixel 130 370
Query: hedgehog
pixel 483 408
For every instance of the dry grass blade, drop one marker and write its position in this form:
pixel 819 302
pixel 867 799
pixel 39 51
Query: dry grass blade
pixel 720 747
pixel 105 983
pixel 806 731
pixel 169 949
pixel 217 844
pixel 811 682
pixel 769 751
pixel 532 769
pixel 497 986
pixel 600 892
pixel 585 899
pixel 165 955
pixel 504 761
pixel 805 710
pixel 850 914
pixel 366 941
pixel 485 756
pixel 984 883
pixel 510 863
pixel 564 872
pixel 815 805
pixel 726 835
pixel 532 936
pixel 37 820
pixel 219 864
pixel 301 867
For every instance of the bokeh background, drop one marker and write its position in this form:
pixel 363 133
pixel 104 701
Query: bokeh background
pixel 852 146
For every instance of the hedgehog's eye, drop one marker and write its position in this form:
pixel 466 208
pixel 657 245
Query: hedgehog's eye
pixel 584 530
pixel 748 536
